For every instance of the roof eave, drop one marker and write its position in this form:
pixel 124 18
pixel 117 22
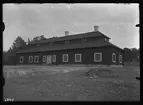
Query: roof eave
pixel 113 45
pixel 116 47
pixel 104 35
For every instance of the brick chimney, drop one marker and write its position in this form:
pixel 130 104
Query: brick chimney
pixel 66 33
pixel 96 28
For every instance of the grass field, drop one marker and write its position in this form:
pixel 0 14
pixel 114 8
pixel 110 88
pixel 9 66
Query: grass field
pixel 69 83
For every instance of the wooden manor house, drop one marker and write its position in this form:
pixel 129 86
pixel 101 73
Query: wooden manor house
pixel 84 48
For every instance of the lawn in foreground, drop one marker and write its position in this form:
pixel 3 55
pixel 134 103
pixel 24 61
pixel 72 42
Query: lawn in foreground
pixel 74 86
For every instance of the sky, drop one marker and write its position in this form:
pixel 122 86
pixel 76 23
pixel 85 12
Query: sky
pixel 117 21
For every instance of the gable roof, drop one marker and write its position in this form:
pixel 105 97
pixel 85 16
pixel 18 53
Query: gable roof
pixel 56 47
pixel 75 36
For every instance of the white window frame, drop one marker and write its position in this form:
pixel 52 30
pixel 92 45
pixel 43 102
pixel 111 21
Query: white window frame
pixel 54 58
pixel 21 57
pixel 67 57
pixel 95 60
pixel 44 58
pixel 120 58
pixel 76 57
pixel 35 59
pixel 30 57
pixel 113 57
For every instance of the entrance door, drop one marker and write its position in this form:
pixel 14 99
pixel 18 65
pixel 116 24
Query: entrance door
pixel 49 59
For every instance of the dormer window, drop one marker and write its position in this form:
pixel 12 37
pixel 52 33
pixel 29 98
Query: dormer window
pixel 66 41
pixel 106 39
pixel 37 44
pixel 51 43
pixel 84 40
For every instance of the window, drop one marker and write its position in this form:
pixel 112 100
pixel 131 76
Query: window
pixel 84 40
pixel 97 57
pixel 54 58
pixel 36 59
pixel 21 59
pixel 30 58
pixel 106 39
pixel 77 57
pixel 37 44
pixel 120 58
pixel 65 57
pixel 66 41
pixel 51 43
pixel 44 58
pixel 113 57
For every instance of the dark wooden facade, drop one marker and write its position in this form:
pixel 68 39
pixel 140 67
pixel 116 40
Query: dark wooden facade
pixel 87 56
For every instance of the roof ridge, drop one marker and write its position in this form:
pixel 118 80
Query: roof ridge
pixel 74 34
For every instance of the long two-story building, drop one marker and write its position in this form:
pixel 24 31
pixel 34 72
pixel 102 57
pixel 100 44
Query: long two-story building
pixel 84 48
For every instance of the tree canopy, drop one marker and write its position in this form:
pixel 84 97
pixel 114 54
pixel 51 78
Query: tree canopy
pixel 131 54
pixel 38 38
pixel 18 43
